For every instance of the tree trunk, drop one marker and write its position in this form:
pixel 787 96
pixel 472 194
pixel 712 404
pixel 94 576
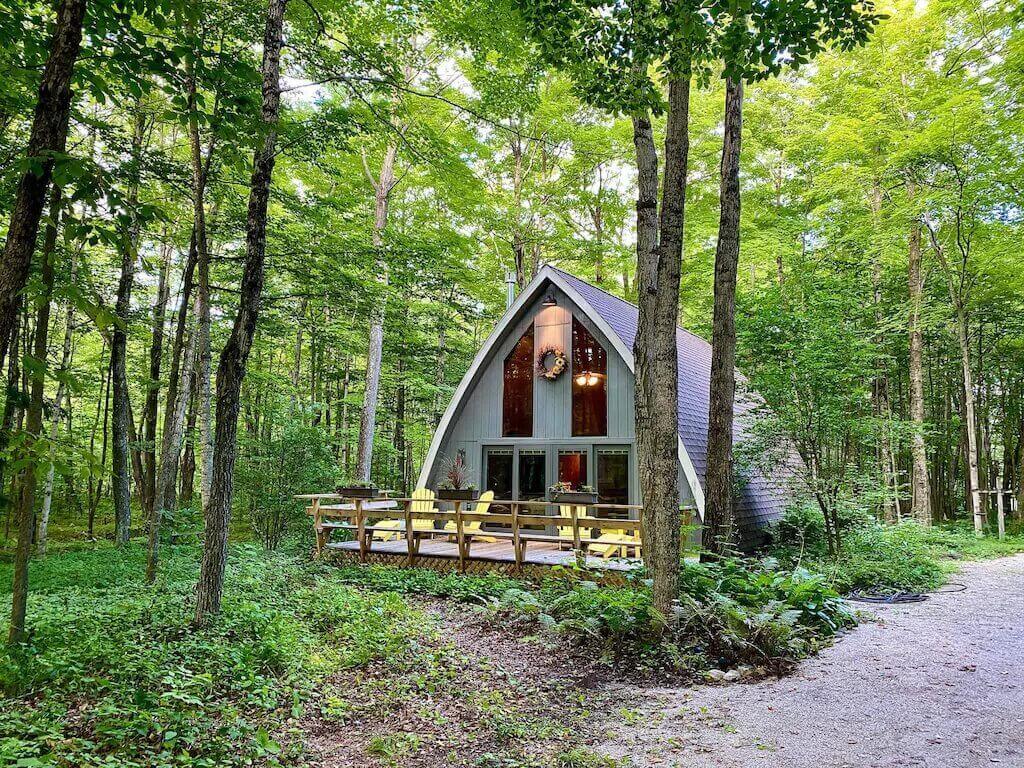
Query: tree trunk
pixel 233 359
pixel 33 431
pixel 11 400
pixel 656 390
pixel 95 487
pixel 188 458
pixel 48 135
pixel 55 419
pixel 202 308
pixel 920 492
pixel 970 419
pixel 128 239
pixel 170 456
pixel 880 383
pixel 156 348
pixel 181 363
pixel 719 518
pixel 383 185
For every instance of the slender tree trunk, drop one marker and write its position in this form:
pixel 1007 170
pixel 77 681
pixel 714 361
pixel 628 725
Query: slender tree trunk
pixel 346 444
pixel 400 430
pixel 181 362
pixel 55 419
pixel 880 383
pixel 920 492
pixel 48 136
pixel 95 486
pixel 202 308
pixel 656 401
pixel 719 518
pixel 33 431
pixel 129 239
pixel 233 359
pixel 156 349
pixel 170 456
pixel 383 186
pixel 188 459
pixel 967 381
pixel 297 354
pixel 1020 465
pixel 11 400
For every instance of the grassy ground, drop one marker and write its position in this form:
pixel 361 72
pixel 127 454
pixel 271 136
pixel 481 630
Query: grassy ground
pixel 301 668
pixel 315 665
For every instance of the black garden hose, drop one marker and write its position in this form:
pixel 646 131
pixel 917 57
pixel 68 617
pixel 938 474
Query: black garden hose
pixel 893 598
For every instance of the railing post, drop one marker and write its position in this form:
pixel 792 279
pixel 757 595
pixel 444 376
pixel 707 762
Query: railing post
pixel 577 546
pixel 317 527
pixel 361 529
pixel 516 550
pixel 410 533
pixel 460 535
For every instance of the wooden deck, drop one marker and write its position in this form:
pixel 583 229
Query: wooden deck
pixel 498 553
pixel 525 538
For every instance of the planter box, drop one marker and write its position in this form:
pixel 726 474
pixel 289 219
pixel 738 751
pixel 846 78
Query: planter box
pixel 459 494
pixel 358 492
pixel 574 497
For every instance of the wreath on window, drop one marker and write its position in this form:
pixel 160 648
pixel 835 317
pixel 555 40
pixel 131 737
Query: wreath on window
pixel 557 366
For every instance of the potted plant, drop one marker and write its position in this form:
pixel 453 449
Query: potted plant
pixel 358 490
pixel 456 486
pixel 564 493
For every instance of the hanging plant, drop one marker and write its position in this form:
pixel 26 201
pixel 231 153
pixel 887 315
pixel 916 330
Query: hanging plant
pixel 551 363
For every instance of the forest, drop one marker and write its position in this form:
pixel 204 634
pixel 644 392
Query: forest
pixel 251 248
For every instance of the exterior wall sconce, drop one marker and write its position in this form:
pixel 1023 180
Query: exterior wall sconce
pixel 549 301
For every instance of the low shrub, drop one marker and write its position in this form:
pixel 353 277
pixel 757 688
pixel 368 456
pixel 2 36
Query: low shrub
pixel 881 558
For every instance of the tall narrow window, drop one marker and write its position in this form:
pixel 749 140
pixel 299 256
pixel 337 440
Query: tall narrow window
pixel 517 399
pixel 589 384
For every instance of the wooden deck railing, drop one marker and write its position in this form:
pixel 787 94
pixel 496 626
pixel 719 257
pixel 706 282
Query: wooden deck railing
pixel 363 516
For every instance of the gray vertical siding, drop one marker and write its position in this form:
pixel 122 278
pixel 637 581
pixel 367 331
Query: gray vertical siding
pixel 477 422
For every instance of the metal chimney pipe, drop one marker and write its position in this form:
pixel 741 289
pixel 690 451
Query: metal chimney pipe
pixel 510 288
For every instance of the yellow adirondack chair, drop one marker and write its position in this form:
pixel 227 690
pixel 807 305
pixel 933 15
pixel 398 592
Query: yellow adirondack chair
pixel 565 513
pixel 473 526
pixel 615 540
pixel 423 501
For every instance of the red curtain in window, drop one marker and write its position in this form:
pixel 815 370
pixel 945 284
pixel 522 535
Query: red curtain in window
pixel 589 384
pixel 517 398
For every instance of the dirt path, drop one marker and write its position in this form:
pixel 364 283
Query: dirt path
pixel 937 684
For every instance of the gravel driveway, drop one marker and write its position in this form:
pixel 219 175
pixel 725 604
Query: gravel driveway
pixel 938 684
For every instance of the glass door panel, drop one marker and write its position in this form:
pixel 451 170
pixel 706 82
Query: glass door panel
pixel 613 479
pixel 533 483
pixel 572 468
pixel 498 472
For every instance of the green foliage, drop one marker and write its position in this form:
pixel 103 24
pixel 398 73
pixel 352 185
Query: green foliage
pixel 887 558
pixel 272 469
pixel 159 692
pixel 730 612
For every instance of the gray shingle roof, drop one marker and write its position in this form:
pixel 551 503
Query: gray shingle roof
pixel 763 499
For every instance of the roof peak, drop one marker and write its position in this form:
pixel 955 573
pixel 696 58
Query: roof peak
pixel 611 295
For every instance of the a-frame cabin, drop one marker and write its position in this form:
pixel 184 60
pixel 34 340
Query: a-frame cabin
pixel 524 425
